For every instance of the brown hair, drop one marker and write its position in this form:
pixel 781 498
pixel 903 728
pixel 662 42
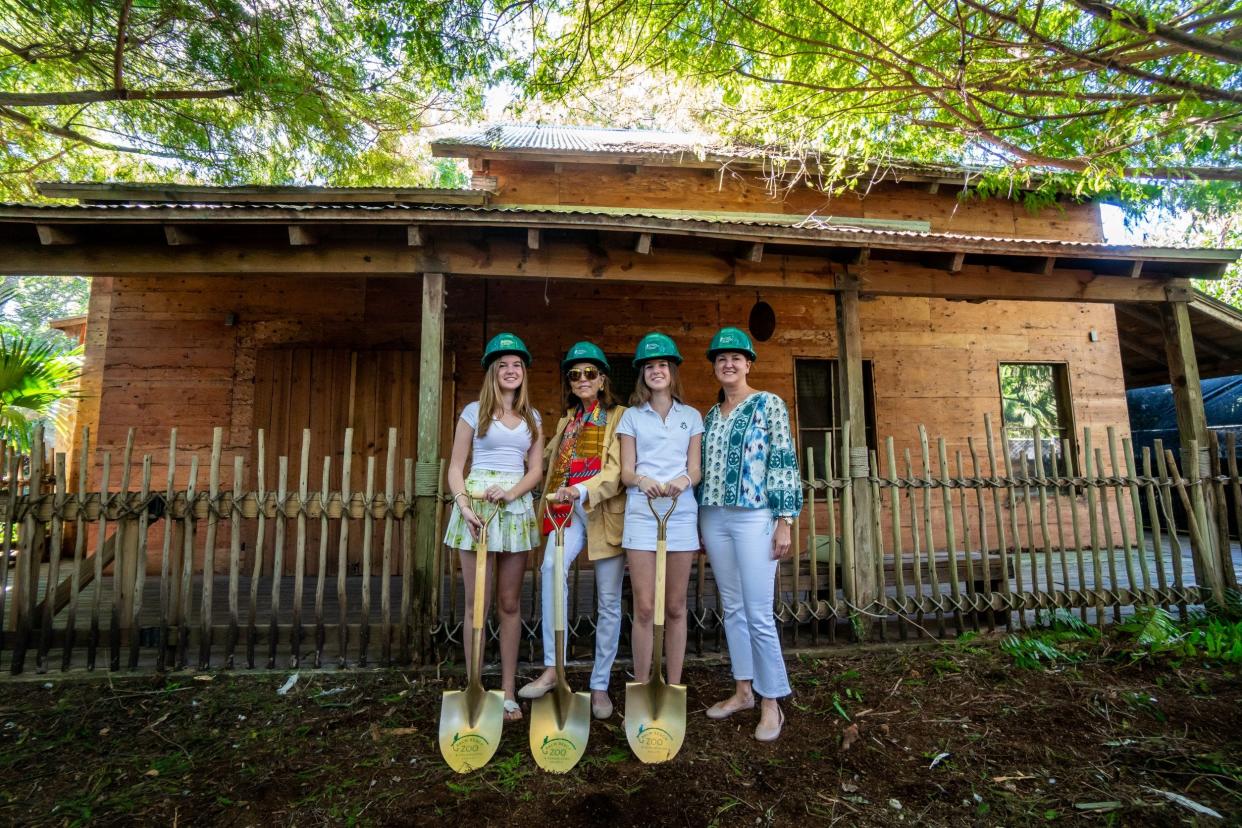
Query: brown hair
pixel 605 395
pixel 489 402
pixel 642 393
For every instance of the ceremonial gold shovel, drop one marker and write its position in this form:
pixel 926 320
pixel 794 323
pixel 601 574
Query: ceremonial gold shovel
pixel 560 721
pixel 471 719
pixel 655 711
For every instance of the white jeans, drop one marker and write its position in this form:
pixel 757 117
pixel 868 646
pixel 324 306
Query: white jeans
pixel 739 546
pixel 609 574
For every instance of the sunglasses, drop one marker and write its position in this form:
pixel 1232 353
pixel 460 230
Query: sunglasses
pixel 582 374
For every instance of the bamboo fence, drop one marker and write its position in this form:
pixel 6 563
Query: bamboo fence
pixel 212 566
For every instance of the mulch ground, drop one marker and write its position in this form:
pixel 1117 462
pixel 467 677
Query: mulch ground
pixel 949 734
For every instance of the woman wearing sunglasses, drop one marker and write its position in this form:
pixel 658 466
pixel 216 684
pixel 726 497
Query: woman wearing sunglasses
pixel 750 495
pixel 660 442
pixel 584 470
pixel 500 432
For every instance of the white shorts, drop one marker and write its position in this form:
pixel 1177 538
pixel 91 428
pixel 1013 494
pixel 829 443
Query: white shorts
pixel 682 531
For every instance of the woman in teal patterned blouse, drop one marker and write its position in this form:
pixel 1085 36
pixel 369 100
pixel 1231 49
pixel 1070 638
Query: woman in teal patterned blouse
pixel 750 494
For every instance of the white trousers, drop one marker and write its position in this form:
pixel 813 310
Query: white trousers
pixel 739 547
pixel 609 574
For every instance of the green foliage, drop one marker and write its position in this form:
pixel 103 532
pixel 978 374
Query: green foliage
pixel 326 91
pixel 1152 632
pixel 1062 99
pixel 1038 648
pixel 36 300
pixel 1034 651
pixel 1151 628
pixel 38 376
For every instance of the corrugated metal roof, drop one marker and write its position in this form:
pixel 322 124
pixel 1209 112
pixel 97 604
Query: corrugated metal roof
pixel 648 142
pixel 791 227
pixel 593 139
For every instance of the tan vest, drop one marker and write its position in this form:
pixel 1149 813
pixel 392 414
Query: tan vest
pixel 605 501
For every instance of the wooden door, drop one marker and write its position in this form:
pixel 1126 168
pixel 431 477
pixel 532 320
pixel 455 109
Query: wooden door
pixel 328 390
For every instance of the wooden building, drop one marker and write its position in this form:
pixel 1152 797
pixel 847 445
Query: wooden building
pixel 900 304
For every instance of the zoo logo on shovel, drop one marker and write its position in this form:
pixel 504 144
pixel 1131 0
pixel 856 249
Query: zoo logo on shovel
pixel 654 739
pixel 558 749
pixel 469 745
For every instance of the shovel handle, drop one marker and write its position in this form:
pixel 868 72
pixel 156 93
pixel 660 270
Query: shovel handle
pixel 558 564
pixel 661 554
pixel 479 505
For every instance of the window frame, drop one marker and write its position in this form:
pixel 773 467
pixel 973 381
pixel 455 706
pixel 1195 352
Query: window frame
pixel 869 406
pixel 1065 405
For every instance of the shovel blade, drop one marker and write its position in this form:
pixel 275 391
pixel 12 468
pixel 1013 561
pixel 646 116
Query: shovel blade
pixel 468 742
pixel 559 730
pixel 655 720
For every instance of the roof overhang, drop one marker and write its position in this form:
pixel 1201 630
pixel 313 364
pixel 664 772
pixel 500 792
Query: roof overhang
pixel 539 241
pixel 1217 333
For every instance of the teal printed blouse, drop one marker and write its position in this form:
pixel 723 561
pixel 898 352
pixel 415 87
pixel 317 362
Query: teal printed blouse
pixel 749 458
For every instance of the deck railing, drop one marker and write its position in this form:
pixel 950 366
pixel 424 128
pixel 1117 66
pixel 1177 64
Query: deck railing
pixel 207 564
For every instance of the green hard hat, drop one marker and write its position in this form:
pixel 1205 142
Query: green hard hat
pixel 585 352
pixel 656 346
pixel 731 339
pixel 503 344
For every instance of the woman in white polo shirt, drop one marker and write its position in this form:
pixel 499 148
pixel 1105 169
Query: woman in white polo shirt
pixel 501 433
pixel 661 440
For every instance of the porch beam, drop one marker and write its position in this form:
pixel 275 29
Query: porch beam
pixel 427 467
pixel 852 405
pixel 577 260
pixel 1192 430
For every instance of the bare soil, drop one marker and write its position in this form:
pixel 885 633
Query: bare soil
pixel 942 734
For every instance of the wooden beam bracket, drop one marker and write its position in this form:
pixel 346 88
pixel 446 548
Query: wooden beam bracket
pixel 301 236
pixel 51 234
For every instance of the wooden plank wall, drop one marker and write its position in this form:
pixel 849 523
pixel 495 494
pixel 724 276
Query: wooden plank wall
pixel 169 358
pixel 668 188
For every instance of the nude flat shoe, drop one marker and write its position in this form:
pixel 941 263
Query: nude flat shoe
pixel 535 689
pixel 601 710
pixel 771 734
pixel 722 710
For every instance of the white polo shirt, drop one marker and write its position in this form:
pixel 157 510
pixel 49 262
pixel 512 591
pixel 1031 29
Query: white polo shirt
pixel 660 445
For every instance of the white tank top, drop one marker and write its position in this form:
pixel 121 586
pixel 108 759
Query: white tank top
pixel 503 449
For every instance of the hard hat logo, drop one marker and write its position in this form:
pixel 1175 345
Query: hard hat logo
pixel 656 346
pixel 504 344
pixel 731 339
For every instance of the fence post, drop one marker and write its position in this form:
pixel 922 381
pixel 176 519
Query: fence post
pixel 427 467
pixel 1192 429
pixel 855 465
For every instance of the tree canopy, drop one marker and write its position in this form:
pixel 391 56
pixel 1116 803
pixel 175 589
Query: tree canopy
pixel 271 91
pixel 1102 98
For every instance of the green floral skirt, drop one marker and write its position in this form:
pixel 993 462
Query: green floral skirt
pixel 515 529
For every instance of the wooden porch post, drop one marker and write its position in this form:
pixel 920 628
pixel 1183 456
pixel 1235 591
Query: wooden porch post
pixel 427 467
pixel 854 411
pixel 1179 347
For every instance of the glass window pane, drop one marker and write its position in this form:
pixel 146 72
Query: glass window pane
pixel 1029 397
pixel 815 397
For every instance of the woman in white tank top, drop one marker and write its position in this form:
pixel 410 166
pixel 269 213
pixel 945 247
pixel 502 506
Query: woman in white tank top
pixel 501 434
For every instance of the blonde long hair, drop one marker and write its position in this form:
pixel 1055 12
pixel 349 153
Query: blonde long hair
pixel 489 401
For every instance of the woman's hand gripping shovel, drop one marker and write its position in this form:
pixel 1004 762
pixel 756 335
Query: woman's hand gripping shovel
pixel 655 711
pixel 560 721
pixel 471 719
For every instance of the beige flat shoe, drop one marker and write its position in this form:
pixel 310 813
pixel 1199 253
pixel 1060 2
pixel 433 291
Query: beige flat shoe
pixel 723 710
pixel 771 734
pixel 601 710
pixel 536 689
